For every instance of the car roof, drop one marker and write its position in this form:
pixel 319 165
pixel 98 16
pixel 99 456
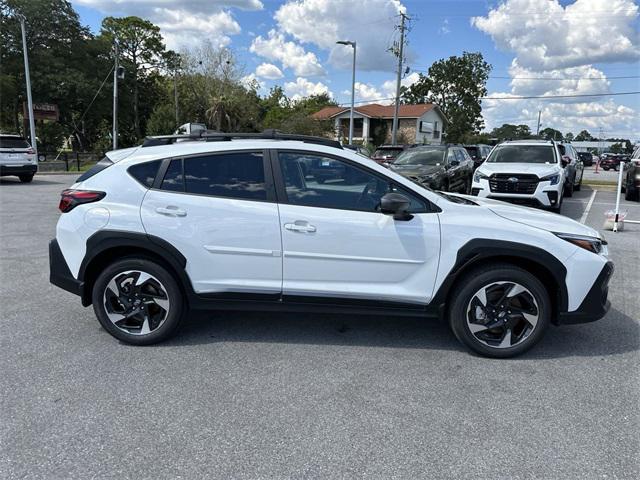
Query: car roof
pixel 186 148
pixel 537 143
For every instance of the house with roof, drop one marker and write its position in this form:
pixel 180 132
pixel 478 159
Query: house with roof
pixel 421 123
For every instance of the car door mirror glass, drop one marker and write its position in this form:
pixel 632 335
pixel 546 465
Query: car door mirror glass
pixel 397 205
pixel 566 160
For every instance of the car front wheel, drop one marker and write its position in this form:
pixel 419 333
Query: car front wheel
pixel 138 301
pixel 500 312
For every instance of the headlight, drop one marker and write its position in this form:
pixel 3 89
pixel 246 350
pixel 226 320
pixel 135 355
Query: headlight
pixel 592 244
pixel 479 176
pixel 554 179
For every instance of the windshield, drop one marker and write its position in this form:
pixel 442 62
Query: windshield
pixel 473 151
pixel 522 154
pixel 13 142
pixel 387 152
pixel 422 156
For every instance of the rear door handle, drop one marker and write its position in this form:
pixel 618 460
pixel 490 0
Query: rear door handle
pixel 300 226
pixel 171 211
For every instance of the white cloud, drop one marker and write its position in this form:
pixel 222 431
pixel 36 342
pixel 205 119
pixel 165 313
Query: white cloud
pixel 304 88
pixel 370 23
pixel 268 71
pixel 182 23
pixel 554 55
pixel 586 31
pixel 292 55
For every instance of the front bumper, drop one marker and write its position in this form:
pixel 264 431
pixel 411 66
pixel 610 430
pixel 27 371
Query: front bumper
pixel 595 305
pixel 59 273
pixel 27 169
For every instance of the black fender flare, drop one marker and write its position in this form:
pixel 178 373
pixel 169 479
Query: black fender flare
pixel 482 250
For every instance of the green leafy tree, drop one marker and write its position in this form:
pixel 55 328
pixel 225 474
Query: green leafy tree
pixel 551 134
pixel 141 49
pixel 511 132
pixel 569 137
pixel 616 148
pixel 456 85
pixel 583 136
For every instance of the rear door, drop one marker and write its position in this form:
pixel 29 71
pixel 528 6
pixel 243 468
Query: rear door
pixel 336 242
pixel 219 210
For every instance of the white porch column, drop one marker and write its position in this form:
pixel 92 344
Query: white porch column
pixel 337 128
pixel 365 129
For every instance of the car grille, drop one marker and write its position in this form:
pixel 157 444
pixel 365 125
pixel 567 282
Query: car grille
pixel 524 184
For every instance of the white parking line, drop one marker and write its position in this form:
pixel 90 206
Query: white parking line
pixel 585 214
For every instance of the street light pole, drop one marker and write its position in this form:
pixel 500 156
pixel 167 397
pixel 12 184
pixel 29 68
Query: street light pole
pixel 115 98
pixel 353 87
pixel 394 129
pixel 32 125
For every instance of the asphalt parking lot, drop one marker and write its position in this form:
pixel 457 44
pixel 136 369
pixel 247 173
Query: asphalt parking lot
pixel 240 395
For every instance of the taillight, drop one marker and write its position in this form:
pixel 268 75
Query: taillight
pixel 70 199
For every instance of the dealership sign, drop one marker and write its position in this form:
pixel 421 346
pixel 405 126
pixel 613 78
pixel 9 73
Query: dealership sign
pixel 42 111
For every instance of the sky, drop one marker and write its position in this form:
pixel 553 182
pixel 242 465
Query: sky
pixel 536 47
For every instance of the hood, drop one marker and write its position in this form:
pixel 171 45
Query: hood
pixel 415 170
pixel 539 169
pixel 533 217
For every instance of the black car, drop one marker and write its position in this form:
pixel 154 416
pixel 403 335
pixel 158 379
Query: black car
pixel 478 153
pixel 631 183
pixel 587 158
pixel 448 168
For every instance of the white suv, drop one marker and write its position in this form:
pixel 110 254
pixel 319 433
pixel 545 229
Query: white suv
pixel 17 158
pixel 236 222
pixel 530 172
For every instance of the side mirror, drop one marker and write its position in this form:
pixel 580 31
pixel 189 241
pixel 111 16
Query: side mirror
pixel 396 204
pixel 566 160
pixel 454 163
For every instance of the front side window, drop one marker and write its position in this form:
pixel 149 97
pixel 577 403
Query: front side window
pixel 522 154
pixel 324 182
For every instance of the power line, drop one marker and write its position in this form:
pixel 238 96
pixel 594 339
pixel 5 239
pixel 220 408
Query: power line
pixel 568 78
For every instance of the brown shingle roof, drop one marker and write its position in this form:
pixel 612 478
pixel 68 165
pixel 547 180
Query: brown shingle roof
pixel 375 110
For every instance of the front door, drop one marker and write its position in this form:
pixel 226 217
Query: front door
pixel 337 244
pixel 219 210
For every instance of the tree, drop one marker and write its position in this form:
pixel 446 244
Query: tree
pixel 584 136
pixel 141 48
pixel 456 85
pixel 511 132
pixel 616 148
pixel 551 134
pixel 568 137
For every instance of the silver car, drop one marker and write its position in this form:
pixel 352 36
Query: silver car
pixel 17 158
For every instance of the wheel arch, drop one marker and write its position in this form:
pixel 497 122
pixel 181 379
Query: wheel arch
pixel 480 253
pixel 107 246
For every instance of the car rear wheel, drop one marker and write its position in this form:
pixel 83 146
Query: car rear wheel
pixel 26 178
pixel 631 193
pixel 500 312
pixel 138 301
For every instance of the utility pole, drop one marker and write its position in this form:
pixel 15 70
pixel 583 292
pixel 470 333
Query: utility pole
pixel 394 132
pixel 353 87
pixel 538 124
pixel 32 125
pixel 175 95
pixel 115 97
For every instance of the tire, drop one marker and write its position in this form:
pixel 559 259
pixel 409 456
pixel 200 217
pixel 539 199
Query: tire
pixel 495 281
pixel 320 180
pixel 568 189
pixel 26 178
pixel 159 301
pixel 631 194
pixel 606 169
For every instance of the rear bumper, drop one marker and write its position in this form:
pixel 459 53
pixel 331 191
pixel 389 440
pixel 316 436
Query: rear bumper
pixel 28 169
pixel 595 305
pixel 59 273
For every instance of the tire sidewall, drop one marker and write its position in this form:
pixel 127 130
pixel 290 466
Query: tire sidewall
pixel 170 284
pixel 480 278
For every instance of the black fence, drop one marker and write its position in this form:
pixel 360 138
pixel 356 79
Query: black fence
pixel 66 161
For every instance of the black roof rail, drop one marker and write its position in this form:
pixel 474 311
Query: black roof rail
pixel 215 136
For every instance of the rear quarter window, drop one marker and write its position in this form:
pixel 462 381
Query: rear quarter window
pixel 145 173
pixel 98 167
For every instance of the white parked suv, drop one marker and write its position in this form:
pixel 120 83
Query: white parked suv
pixel 530 172
pixel 234 221
pixel 17 158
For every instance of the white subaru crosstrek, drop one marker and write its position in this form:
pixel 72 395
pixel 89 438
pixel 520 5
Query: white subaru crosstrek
pixel 224 221
pixel 530 172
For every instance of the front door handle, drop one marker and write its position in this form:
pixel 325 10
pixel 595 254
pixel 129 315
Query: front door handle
pixel 300 226
pixel 171 211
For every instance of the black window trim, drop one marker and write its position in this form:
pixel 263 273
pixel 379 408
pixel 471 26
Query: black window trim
pixel 266 165
pixel 281 191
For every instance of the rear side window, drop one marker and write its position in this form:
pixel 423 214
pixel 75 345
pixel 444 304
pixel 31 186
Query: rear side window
pixel 13 142
pixel 98 167
pixel 145 172
pixel 233 175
